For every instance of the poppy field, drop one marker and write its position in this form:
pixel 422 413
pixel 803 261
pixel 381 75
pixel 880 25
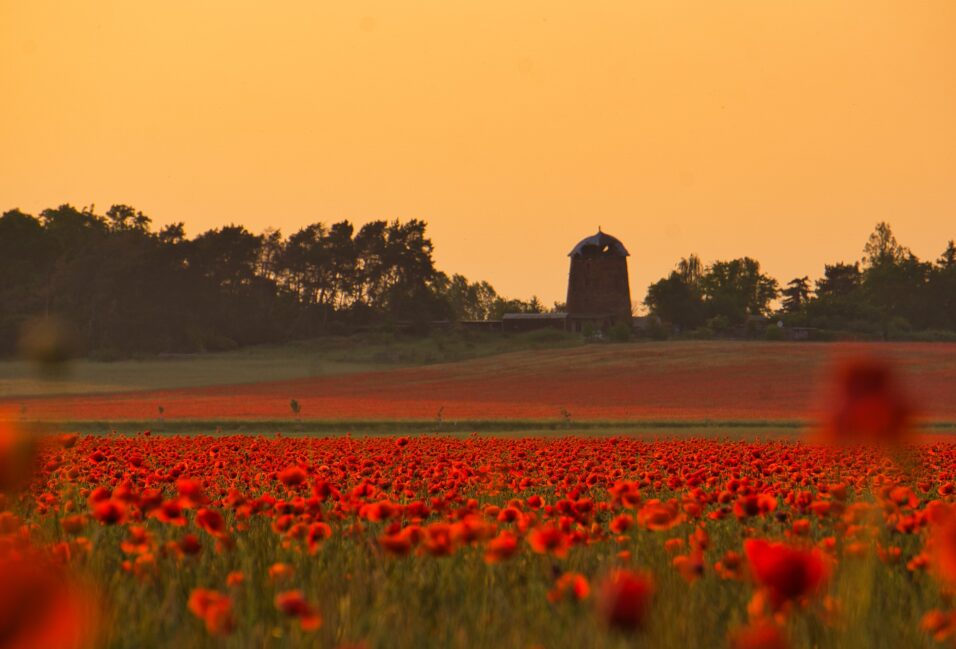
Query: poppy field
pixel 669 381
pixel 845 538
pixel 460 542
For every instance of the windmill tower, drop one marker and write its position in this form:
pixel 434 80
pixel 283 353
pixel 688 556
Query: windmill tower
pixel 598 287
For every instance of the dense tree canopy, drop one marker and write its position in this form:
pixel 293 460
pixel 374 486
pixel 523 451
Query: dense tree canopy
pixel 125 287
pixel 728 291
pixel 890 293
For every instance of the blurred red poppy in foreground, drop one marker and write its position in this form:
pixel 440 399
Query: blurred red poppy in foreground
pixel 869 404
pixel 501 547
pixel 939 624
pixel 623 599
pixel 213 608
pixel 786 573
pixel 549 539
pixel 941 544
pixel 17 453
pixel 760 635
pixel 293 604
pixel 571 585
pixel 41 607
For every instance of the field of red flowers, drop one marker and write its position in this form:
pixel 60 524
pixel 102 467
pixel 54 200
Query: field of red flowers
pixel 682 380
pixel 133 541
pixel 846 540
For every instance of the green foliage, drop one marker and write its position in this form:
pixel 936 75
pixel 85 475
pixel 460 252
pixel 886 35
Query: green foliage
pixel 773 332
pixel 796 295
pixel 656 330
pixel 468 300
pixel 719 323
pixel 547 336
pixel 894 295
pixel 675 300
pixel 620 333
pixel 501 306
pixel 130 289
pixel 736 289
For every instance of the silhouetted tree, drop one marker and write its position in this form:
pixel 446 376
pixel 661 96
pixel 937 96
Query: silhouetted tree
pixel 796 295
pixel 736 289
pixel 839 280
pixel 676 301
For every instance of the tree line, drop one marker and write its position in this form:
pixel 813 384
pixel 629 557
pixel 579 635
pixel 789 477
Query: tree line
pixel 889 293
pixel 124 286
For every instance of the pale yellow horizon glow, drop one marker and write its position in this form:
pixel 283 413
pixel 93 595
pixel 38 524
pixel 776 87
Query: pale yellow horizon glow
pixel 779 130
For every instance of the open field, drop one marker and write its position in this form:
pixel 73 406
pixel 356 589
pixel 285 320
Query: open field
pixel 663 382
pixel 376 542
pixel 326 356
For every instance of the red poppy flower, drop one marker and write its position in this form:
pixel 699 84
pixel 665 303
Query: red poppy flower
pixel 280 572
pixel 399 544
pixel 502 547
pixel 211 521
pixel 293 604
pixel 760 635
pixel 109 512
pixel 571 585
pixel 509 514
pixel 171 511
pixel 190 492
pixel 868 404
pixel 73 524
pixel 754 505
pixel 292 476
pixel 214 609
pixel 549 540
pixel 139 541
pixel 941 545
pixel 317 533
pixel 939 624
pixel 438 540
pixel 787 573
pixel 690 566
pixel 623 599
pixel 621 523
pixel 40 606
pixel 17 454
pixel 660 516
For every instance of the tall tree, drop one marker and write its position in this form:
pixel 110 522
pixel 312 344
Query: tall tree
pixel 737 288
pixel 674 300
pixel 948 258
pixel 839 280
pixel 882 248
pixel 796 295
pixel 691 270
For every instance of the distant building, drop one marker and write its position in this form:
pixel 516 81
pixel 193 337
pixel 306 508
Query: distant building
pixel 599 292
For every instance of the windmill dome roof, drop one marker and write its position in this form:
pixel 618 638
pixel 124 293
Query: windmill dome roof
pixel 600 244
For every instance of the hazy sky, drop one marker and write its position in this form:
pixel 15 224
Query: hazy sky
pixel 783 130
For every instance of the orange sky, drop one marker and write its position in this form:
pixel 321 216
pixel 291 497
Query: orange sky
pixel 779 130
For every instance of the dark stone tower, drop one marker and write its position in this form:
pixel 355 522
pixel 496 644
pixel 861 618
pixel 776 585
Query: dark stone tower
pixel 598 287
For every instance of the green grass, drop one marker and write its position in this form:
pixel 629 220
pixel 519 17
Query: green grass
pixel 326 356
pixel 730 429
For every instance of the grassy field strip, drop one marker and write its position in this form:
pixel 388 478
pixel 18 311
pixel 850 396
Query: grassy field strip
pixel 328 356
pixel 667 428
pixel 698 382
